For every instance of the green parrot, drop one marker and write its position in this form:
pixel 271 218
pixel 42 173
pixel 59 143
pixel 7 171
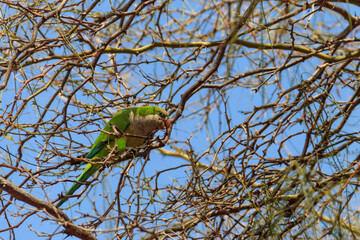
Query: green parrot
pixel 134 121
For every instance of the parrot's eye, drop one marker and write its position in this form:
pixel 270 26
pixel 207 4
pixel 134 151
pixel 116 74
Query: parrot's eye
pixel 162 115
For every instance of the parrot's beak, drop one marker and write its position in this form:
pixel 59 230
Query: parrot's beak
pixel 165 124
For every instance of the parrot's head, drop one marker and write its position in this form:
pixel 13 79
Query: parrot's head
pixel 147 119
pixel 164 122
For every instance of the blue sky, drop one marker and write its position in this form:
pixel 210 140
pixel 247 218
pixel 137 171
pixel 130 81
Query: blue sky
pixel 196 125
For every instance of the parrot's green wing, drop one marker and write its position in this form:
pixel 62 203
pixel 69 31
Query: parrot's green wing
pixel 96 149
pixel 102 148
pixel 121 120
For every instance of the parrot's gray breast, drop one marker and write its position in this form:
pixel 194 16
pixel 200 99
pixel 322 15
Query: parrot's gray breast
pixel 141 126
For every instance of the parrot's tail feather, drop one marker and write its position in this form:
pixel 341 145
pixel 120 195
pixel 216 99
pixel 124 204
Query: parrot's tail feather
pixel 88 172
pixel 61 202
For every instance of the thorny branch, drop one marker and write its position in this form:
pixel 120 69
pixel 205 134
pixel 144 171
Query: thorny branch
pixel 264 97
